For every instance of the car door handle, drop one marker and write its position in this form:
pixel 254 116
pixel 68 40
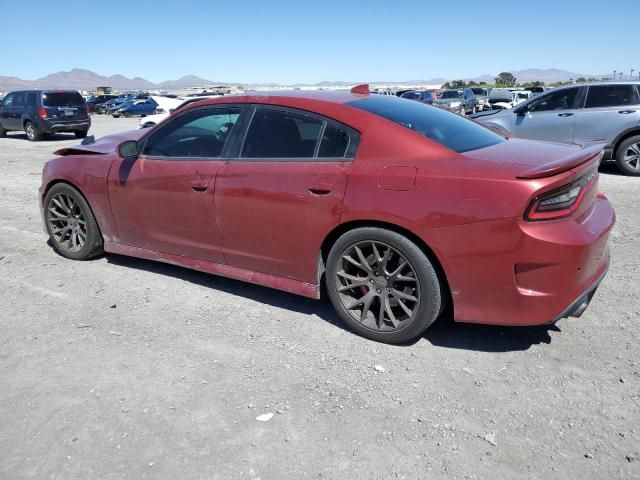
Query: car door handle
pixel 321 188
pixel 565 114
pixel 625 112
pixel 200 186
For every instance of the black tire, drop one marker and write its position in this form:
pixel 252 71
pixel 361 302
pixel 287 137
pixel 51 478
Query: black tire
pixel 3 132
pixel 93 243
pixel 427 288
pixel 627 149
pixel 81 133
pixel 32 132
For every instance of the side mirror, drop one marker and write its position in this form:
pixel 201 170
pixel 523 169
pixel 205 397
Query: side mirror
pixel 522 110
pixel 128 149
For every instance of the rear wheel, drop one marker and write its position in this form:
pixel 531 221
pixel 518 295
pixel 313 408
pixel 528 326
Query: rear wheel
pixel 382 285
pixel 81 133
pixel 3 132
pixel 628 156
pixel 70 223
pixel 32 132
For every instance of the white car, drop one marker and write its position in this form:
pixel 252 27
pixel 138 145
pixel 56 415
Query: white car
pixel 166 106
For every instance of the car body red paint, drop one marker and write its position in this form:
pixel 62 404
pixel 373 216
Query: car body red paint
pixel 266 221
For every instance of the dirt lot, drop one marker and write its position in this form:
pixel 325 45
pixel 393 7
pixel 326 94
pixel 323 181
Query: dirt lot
pixel 124 368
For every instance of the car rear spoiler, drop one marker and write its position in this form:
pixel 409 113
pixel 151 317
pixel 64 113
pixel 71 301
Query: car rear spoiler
pixel 588 152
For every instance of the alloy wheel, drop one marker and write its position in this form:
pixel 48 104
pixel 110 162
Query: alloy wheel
pixel 378 286
pixel 632 156
pixel 31 133
pixel 67 223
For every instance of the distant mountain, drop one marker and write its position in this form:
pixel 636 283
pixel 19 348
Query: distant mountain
pixel 81 79
pixel 187 81
pixel 549 75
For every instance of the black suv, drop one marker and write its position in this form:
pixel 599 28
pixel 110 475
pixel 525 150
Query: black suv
pixel 41 112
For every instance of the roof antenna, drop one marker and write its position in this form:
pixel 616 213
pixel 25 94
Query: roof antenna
pixel 362 89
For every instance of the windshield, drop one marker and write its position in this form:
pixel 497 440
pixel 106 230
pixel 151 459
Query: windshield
pixel 62 99
pixel 452 94
pixel 448 129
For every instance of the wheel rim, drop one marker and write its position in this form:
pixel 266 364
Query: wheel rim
pixel 67 223
pixel 378 286
pixel 632 156
pixel 30 131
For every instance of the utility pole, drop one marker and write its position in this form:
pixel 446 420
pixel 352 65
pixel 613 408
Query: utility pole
pixel 620 76
pixel 631 75
pixel 614 75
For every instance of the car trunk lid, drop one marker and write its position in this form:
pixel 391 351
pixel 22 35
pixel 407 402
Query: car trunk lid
pixel 526 159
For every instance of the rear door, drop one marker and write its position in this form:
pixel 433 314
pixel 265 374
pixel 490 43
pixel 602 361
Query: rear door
pixel 550 117
pixel 279 197
pixel 608 111
pixel 163 200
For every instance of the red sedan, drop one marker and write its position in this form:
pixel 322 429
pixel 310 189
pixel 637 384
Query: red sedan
pixel 401 208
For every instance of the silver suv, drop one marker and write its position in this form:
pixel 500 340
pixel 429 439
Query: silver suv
pixel 607 111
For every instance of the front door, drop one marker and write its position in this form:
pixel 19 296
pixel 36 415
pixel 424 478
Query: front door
pixel 549 117
pixel 282 196
pixel 12 109
pixel 163 200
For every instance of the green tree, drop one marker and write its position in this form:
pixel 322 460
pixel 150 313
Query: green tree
pixel 505 79
pixel 581 80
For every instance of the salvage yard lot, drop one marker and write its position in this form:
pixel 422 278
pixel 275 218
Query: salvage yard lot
pixel 125 368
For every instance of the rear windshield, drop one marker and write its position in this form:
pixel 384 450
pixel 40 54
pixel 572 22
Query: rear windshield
pixel 479 91
pixel 448 129
pixel 500 93
pixel 62 99
pixel 452 94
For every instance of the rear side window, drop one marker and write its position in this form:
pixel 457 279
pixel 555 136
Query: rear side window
pixel 448 129
pixel 31 99
pixel 335 142
pixel 611 96
pixel 62 99
pixel 281 134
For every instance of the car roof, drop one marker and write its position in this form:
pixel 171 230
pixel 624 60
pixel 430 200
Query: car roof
pixel 600 83
pixel 337 97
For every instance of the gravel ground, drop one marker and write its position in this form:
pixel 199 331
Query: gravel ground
pixel 124 368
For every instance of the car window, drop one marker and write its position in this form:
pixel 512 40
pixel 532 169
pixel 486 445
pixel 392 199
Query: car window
pixel 62 99
pixel 281 134
pixel 410 95
pixel 19 99
pixel 8 100
pixel 448 129
pixel 31 99
pixel 610 96
pixel 201 133
pixel 335 142
pixel 560 100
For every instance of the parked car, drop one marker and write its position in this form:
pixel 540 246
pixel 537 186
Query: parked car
pixel 502 101
pixel 482 97
pixel 108 107
pixel 351 162
pixel 166 107
pixel 42 112
pixel 419 96
pixel 579 114
pixel 95 100
pixel 133 108
pixel 458 100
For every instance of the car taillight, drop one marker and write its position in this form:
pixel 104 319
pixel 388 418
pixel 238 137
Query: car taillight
pixel 562 202
pixel 42 113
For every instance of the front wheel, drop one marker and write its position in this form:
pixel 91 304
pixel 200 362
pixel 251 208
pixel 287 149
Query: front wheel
pixel 81 133
pixel 382 285
pixel 70 223
pixel 32 132
pixel 628 156
pixel 3 132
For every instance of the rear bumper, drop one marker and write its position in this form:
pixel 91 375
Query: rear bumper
pixel 579 305
pixel 49 126
pixel 524 273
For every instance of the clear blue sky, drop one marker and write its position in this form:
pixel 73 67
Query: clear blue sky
pixel 309 41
